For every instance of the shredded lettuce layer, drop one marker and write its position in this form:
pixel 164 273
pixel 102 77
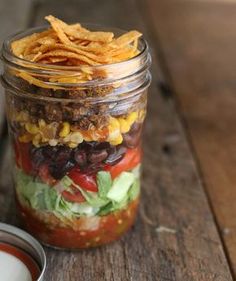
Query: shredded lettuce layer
pixel 112 195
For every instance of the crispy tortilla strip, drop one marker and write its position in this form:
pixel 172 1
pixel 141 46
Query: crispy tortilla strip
pixel 45 48
pixel 71 80
pixel 51 60
pixel 81 42
pixel 73 45
pixel 52 39
pixel 135 44
pixel 32 57
pixel 78 33
pixel 20 45
pixel 77 78
pixel 47 40
pixel 57 59
pixel 75 62
pixel 99 73
pixel 101 59
pixel 87 69
pixel 124 53
pixel 46 61
pixel 124 56
pixel 66 54
pixel 35 81
pixel 56 77
pixel 78 27
pixel 126 38
pixel 60 24
pixel 116 52
pixel 95 36
pixel 29 49
pixel 97 47
pixel 57 26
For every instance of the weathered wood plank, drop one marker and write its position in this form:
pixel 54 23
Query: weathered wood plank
pixel 11 21
pixel 198 42
pixel 175 237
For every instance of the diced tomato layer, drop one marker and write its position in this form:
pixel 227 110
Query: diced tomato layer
pixel 22 156
pixel 88 182
pixel 85 181
pixel 131 159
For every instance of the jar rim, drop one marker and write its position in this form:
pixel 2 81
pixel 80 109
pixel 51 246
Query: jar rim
pixel 107 99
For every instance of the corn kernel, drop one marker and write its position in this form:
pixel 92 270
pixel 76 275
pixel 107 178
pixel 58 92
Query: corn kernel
pixel 124 125
pixel 18 118
pixel 31 128
pixel 42 123
pixel 22 116
pixel 76 137
pixel 132 117
pixel 114 129
pixel 53 142
pixel 44 139
pixel 113 135
pixel 38 137
pixel 25 138
pixel 117 141
pixel 114 124
pixel 35 142
pixel 67 138
pixel 72 144
pixel 65 130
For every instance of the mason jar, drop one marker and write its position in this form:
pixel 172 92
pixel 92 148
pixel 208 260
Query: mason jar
pixel 76 145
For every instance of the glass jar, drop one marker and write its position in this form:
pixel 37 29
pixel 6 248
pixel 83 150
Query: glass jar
pixel 77 146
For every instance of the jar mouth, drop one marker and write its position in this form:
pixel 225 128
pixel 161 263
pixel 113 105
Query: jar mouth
pixel 35 67
pixel 131 71
pixel 8 55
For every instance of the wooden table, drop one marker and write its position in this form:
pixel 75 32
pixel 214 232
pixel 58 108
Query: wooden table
pixel 186 228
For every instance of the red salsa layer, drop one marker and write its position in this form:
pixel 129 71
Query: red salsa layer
pixel 85 231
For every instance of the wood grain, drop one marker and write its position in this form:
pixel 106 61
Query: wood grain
pixel 175 237
pixel 198 43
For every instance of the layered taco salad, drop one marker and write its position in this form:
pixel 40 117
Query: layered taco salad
pixel 76 145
